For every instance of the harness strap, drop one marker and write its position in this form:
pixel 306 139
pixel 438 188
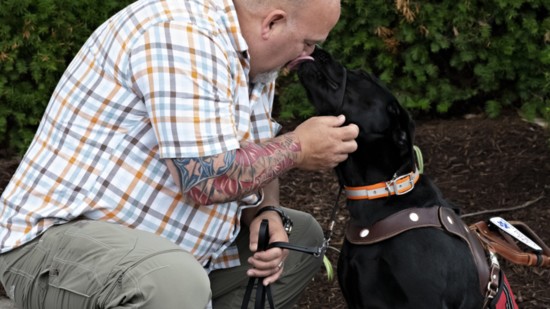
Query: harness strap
pixel 436 217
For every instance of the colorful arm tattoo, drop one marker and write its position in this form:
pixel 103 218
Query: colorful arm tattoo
pixel 228 176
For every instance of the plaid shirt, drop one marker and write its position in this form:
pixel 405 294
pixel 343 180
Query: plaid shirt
pixel 160 79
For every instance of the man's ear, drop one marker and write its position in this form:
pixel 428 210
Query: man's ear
pixel 274 19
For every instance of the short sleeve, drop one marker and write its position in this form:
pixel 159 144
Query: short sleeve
pixel 183 76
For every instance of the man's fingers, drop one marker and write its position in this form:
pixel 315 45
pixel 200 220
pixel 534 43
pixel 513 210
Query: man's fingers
pixel 271 270
pixel 267 261
pixel 271 275
pixel 325 142
pixel 253 244
pixel 349 132
pixel 269 258
pixel 348 147
pixel 332 121
pixel 340 120
pixel 270 279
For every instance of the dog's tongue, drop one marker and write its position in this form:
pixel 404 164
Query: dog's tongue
pixel 294 63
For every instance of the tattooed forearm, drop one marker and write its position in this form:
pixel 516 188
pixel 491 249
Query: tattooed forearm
pixel 233 174
pixel 192 171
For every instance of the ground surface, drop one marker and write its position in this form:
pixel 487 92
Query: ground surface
pixel 478 163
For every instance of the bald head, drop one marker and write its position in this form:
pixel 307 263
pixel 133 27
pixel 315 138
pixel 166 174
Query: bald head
pixel 258 5
pixel 278 31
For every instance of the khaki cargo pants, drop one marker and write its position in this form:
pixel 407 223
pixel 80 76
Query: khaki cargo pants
pixel 92 264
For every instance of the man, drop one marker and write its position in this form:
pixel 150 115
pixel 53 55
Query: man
pixel 145 183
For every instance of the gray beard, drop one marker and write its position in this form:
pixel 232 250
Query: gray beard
pixel 266 78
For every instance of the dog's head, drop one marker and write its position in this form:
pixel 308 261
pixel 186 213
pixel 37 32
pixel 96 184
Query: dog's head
pixel 385 128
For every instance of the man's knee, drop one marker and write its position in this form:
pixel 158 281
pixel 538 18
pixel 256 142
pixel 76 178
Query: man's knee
pixel 166 280
pixel 306 231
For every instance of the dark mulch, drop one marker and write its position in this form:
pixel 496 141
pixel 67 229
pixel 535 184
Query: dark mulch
pixel 478 163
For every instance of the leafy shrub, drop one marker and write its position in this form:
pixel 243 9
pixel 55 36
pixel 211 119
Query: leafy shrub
pixel 436 55
pixel 38 40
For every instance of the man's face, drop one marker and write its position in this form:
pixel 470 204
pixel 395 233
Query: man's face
pixel 294 36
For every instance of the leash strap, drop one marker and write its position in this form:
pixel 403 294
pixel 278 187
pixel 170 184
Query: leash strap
pixel 328 233
pixel 315 251
pixel 262 291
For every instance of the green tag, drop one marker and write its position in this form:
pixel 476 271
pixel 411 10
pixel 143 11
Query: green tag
pixel 419 159
pixel 328 266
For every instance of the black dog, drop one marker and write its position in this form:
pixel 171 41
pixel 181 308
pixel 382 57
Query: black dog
pixel 428 265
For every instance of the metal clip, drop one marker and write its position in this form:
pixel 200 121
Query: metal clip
pixel 322 249
pixel 492 286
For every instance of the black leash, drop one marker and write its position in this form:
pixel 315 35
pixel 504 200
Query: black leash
pixel 263 292
pixel 328 233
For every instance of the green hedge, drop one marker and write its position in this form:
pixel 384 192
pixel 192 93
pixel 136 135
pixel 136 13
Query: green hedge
pixel 439 55
pixel 38 39
pixel 435 56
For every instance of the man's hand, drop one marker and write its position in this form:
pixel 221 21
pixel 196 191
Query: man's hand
pixel 269 263
pixel 324 143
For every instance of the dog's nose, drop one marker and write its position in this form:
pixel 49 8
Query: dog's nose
pixel 308 50
pixel 320 54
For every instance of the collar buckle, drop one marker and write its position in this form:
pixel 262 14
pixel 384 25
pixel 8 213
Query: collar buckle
pixel 400 185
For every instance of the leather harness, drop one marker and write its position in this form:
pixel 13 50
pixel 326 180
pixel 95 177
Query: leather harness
pixel 438 217
pixel 501 243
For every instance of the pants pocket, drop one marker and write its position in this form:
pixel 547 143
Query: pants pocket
pixel 85 259
pixel 74 278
